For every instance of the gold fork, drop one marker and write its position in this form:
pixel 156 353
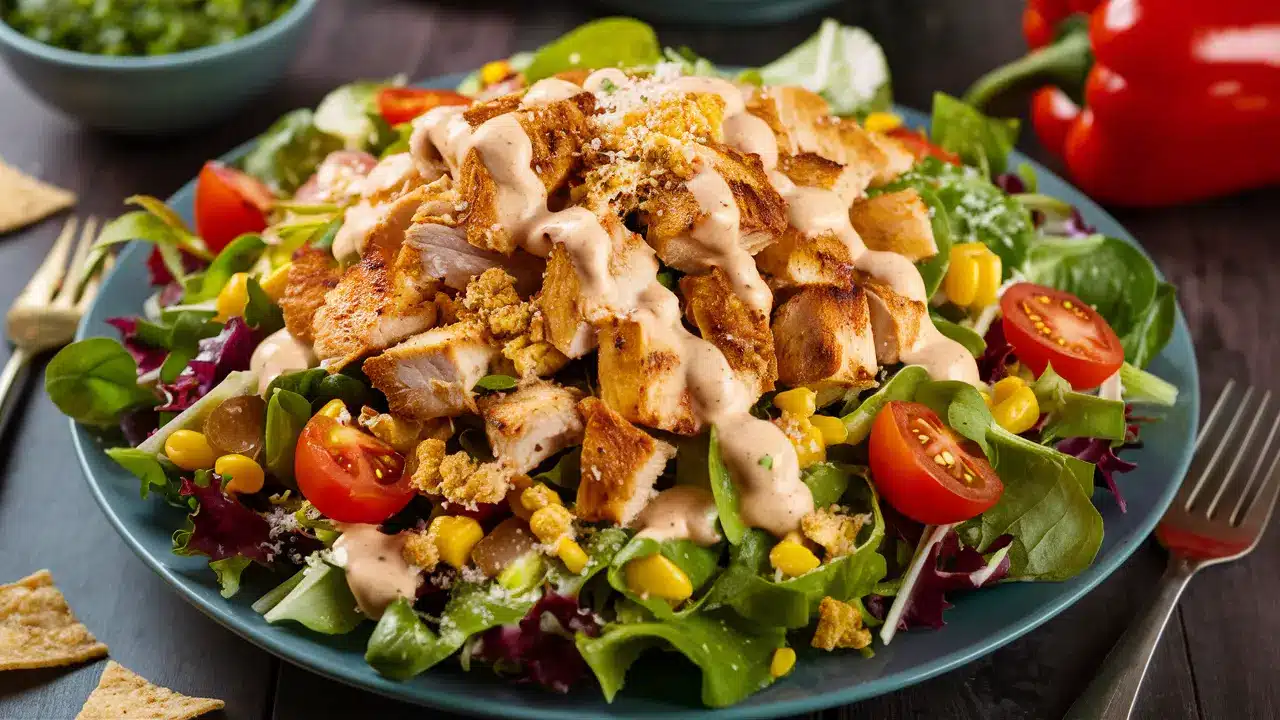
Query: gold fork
pixel 46 313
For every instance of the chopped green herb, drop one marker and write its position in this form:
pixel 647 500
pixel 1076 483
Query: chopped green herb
pixel 766 462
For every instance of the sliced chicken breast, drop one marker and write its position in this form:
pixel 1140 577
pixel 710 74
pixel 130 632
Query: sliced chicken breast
pixel 531 424
pixel 824 339
pixel 432 374
pixel 897 222
pixel 620 464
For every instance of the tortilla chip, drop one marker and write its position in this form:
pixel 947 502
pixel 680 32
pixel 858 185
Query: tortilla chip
pixel 24 199
pixel 124 695
pixel 37 628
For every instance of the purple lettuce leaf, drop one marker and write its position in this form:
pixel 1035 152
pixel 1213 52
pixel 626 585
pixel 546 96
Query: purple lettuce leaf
pixel 1011 183
pixel 148 358
pixel 221 527
pixel 994 363
pixel 541 648
pixel 949 567
pixel 1104 456
pixel 218 356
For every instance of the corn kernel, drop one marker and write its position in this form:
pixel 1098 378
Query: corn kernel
pixel 801 401
pixel 539 496
pixel 1006 387
pixel 833 430
pixel 455 536
pixel 1018 412
pixel 806 438
pixel 656 576
pixel 233 297
pixel 337 410
pixel 973 278
pixel 572 555
pixel 519 484
pixel 246 475
pixel 276 281
pixel 550 522
pixel 189 450
pixel 792 559
pixel 882 122
pixel 493 72
pixel 783 660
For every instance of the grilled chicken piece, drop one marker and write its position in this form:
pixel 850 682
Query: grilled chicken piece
pixel 824 339
pixel 447 256
pixel 382 225
pixel 531 424
pixel 432 374
pixel 640 371
pixel 898 158
pixel 739 332
pixel 620 464
pixel 897 222
pixel 813 170
pixel 671 214
pixel 796 260
pixel 556 131
pixel 895 318
pixel 311 276
pixel 375 305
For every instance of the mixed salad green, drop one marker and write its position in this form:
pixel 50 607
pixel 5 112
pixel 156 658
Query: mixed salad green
pixel 180 405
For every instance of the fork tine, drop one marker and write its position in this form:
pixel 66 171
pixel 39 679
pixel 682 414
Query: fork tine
pixel 1222 444
pixel 1264 502
pixel 88 236
pixel 1258 465
pixel 93 282
pixel 46 278
pixel 1240 455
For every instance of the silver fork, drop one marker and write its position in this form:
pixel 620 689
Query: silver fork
pixel 47 311
pixel 1216 518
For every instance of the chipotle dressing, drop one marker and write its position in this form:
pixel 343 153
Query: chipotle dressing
pixel 684 512
pixel 277 354
pixel 377 572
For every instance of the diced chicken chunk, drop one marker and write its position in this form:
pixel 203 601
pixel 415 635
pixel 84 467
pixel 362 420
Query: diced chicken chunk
pixel 797 260
pixel 642 379
pixel 375 305
pixel 823 338
pixel 382 225
pixel 311 276
pixel 897 222
pixel 895 319
pixel 738 331
pixel 447 256
pixel 620 464
pixel 813 170
pixel 432 375
pixel 531 424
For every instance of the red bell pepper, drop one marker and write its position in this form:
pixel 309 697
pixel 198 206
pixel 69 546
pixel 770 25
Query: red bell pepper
pixel 1181 97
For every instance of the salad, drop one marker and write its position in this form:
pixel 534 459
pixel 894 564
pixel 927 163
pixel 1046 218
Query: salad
pixel 612 350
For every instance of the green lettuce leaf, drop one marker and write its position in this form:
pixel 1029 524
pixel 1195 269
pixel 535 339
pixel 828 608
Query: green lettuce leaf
pixel 290 151
pixel 842 63
pixel 981 141
pixel 287 413
pixel 1073 414
pixel 92 381
pixel 238 256
pixel 1152 329
pixel 734 657
pixel 1141 386
pixel 351 112
pixel 601 548
pixel 699 563
pixel 934 269
pixel 602 43
pixel 1110 275
pixel 228 571
pixel 901 386
pixel 259 312
pixel 725 492
pixel 320 601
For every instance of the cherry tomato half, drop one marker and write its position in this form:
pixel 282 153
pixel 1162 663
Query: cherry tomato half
pixel 1047 326
pixel 925 471
pixel 400 105
pixel 919 145
pixel 229 204
pixel 348 475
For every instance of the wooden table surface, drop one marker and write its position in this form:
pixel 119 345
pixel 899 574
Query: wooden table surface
pixel 1220 658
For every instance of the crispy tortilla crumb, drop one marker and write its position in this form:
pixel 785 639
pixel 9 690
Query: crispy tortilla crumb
pixel 839 626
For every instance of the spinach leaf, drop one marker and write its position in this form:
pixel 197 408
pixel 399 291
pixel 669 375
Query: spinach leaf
pixel 259 312
pixel 734 658
pixel 971 340
pixel 827 481
pixel 901 386
pixel 1073 414
pixel 93 381
pixel 566 472
pixel 351 112
pixel 1110 275
pixel 290 151
pixel 182 338
pixel 319 386
pixel 725 492
pixel 603 43
pixel 1152 329
pixel 228 571
pixel 495 383
pixel 981 141
pixel 697 562
pixel 976 210
pixel 843 64
pixel 238 256
pixel 287 413
pixel 601 547
pixel 403 646
pixel 934 270
pixel 144 465
pixel 321 601
pixel 156 224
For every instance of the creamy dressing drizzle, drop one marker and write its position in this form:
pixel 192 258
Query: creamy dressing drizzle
pixel 684 512
pixel 377 573
pixel 279 353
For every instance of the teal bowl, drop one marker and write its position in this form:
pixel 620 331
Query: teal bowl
pixel 162 94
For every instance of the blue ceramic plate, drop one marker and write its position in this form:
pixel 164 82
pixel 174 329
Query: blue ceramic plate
pixel 979 623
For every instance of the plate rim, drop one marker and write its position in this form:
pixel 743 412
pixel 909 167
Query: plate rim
pixel 265 636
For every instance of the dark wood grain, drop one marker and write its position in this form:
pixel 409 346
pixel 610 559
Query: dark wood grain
pixel 1219 659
